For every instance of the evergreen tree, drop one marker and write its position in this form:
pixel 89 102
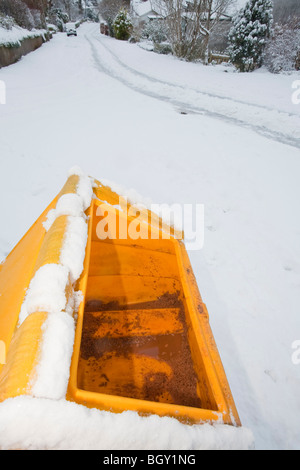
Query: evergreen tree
pixel 248 36
pixel 122 25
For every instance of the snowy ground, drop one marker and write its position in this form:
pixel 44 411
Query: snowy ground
pixel 116 111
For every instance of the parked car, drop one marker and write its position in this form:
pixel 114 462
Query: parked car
pixel 71 29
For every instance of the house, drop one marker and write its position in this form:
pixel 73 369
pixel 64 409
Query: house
pixel 143 11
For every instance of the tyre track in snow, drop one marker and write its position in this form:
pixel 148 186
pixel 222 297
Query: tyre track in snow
pixel 202 93
pixel 261 119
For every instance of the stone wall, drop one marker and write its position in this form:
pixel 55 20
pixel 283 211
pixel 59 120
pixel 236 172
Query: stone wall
pixel 10 55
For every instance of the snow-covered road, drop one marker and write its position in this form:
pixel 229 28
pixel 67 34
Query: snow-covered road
pixel 116 110
pixel 268 120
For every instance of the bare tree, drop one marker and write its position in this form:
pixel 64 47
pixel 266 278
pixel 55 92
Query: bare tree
pixel 215 9
pixel 184 28
pixel 190 24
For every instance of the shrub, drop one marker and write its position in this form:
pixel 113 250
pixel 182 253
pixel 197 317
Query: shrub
pixel 6 22
pixel 122 25
pixel 155 31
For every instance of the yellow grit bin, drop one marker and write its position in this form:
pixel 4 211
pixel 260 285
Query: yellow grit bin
pixel 142 338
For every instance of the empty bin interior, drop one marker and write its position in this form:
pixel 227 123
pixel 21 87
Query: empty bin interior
pixel 136 337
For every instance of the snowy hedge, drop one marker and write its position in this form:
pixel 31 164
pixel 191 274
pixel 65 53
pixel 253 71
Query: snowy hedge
pixel 14 36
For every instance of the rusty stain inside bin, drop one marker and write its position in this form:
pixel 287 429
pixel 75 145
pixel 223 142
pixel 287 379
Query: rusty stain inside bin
pixel 141 352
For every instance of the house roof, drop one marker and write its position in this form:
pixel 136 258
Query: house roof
pixel 146 8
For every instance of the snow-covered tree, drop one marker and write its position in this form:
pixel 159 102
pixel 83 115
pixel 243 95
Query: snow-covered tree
pixel 122 25
pixel 60 12
pixel 251 29
pixel 19 11
pixel 282 51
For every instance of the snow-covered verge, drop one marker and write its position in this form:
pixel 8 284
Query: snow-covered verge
pixel 13 37
pixel 248 271
pixel 38 424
